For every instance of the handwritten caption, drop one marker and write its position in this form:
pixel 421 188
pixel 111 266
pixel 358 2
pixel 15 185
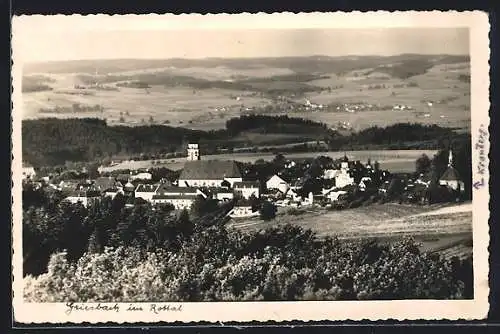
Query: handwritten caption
pixel 482 166
pixel 155 308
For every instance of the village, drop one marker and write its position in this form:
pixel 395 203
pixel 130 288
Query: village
pixel 315 182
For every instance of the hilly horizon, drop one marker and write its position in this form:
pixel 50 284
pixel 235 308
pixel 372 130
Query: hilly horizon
pixel 113 65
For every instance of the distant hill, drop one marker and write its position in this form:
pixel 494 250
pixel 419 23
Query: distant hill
pixel 324 64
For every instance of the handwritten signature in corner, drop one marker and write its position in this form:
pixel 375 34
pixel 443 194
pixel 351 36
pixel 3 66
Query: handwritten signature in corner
pixel 480 147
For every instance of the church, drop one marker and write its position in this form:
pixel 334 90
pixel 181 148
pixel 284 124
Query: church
pixel 450 177
pixel 207 173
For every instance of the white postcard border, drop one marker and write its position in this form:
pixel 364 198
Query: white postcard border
pixel 273 311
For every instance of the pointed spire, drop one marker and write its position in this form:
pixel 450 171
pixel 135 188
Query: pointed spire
pixel 450 158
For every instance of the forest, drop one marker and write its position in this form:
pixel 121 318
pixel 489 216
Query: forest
pixel 52 142
pixel 100 253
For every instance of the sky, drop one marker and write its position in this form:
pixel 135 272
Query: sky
pixel 37 42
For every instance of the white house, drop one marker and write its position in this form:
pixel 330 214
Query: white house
pixel 329 174
pixel 247 188
pixel 364 183
pixel 221 194
pixel 224 195
pixel 28 172
pixel 277 183
pixel 179 202
pixel 146 191
pixel 83 196
pixel 243 209
pixel 343 178
pixel 333 196
pixel 309 200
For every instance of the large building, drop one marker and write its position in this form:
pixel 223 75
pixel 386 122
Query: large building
pixel 343 177
pixel 207 173
pixel 179 197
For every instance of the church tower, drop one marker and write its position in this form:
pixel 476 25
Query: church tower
pixel 450 158
pixel 193 152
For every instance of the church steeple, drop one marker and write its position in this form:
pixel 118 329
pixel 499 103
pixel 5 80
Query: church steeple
pixel 193 152
pixel 450 158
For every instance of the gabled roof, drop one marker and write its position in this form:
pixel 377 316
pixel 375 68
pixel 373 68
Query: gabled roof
pixel 451 174
pixel 149 188
pixel 276 178
pixel 166 189
pixel 209 170
pixel 104 183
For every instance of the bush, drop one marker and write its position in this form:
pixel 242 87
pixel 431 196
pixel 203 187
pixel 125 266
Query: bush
pixel 285 263
pixel 268 211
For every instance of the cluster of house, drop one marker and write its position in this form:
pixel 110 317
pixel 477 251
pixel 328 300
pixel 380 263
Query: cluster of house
pixel 223 181
pixel 401 107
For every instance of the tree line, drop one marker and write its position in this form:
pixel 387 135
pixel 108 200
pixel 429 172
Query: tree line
pixel 51 141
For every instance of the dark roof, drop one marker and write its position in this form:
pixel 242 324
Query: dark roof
pixel 112 189
pixel 193 197
pixel 171 189
pixel 246 184
pixel 243 202
pixel 451 174
pixel 217 190
pixel 103 183
pixel 209 170
pixel 123 177
pixel 147 188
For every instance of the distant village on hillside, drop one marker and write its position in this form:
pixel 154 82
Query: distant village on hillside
pixel 308 182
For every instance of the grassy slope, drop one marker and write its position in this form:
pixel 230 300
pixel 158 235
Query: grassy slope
pixel 441 228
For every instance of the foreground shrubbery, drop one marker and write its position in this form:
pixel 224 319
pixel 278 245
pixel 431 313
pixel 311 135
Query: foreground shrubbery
pixel 109 252
pixel 284 263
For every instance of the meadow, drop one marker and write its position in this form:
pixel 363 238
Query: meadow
pixel 393 160
pixel 204 94
pixel 438 227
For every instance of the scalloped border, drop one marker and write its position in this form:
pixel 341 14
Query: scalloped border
pixel 51 313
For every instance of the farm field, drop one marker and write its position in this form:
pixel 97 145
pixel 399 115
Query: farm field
pixel 393 160
pixel 443 228
pixel 208 107
pixel 175 106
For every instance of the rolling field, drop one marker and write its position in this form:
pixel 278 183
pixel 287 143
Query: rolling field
pixel 393 160
pixel 443 228
pixel 177 106
pixel 441 85
pixel 209 108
